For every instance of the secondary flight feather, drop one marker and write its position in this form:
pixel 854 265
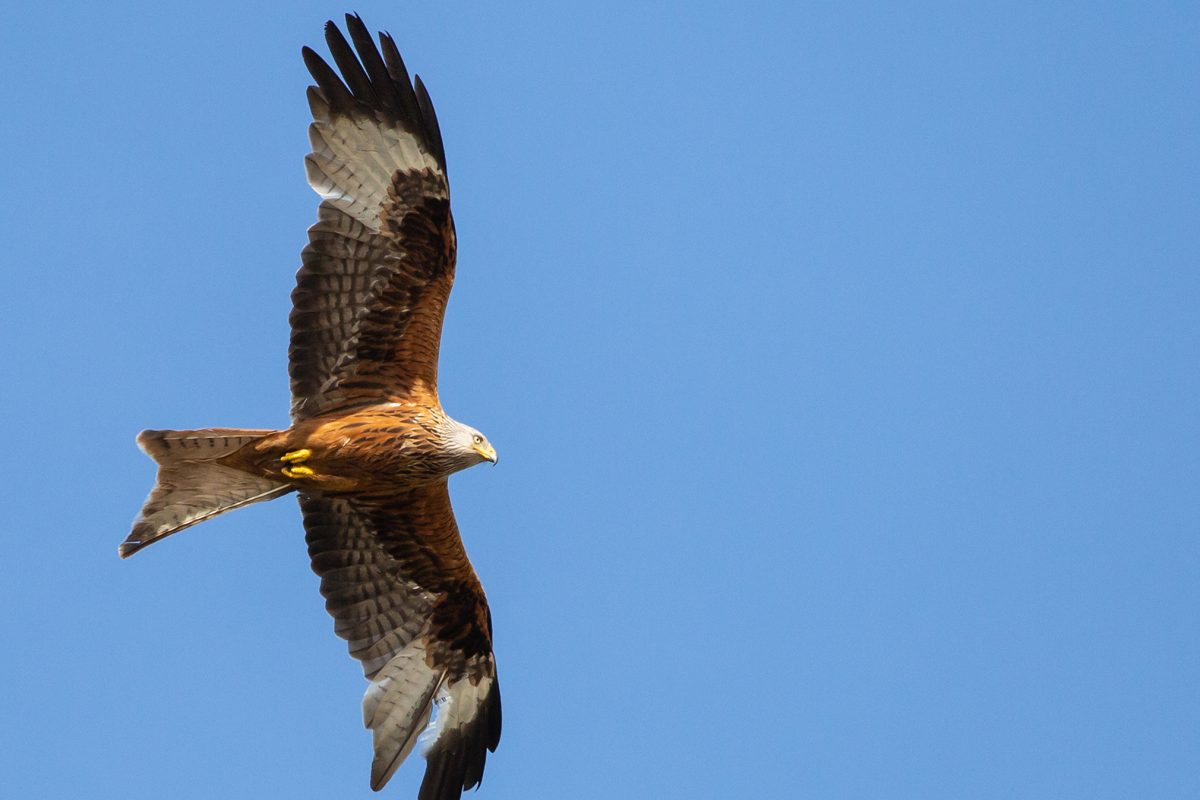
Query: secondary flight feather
pixel 370 449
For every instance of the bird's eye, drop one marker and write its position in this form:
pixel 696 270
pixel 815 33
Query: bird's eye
pixel 478 439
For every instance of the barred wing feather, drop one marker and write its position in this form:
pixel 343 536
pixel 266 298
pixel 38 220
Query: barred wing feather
pixel 403 594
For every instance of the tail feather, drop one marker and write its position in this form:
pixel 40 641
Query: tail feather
pixel 192 486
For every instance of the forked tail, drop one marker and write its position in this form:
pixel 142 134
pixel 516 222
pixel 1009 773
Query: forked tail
pixel 192 486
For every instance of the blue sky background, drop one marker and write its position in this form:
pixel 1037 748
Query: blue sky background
pixel 842 359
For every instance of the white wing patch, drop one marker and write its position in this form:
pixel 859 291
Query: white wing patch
pixel 456 705
pixel 396 708
pixel 353 161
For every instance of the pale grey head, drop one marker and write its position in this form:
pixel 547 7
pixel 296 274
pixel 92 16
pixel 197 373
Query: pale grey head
pixel 467 446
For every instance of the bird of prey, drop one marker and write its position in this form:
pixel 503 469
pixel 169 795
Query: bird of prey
pixel 370 448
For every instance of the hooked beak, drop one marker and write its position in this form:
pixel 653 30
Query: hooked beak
pixel 488 454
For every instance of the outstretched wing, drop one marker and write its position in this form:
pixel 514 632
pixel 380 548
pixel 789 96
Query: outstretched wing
pixel 369 299
pixel 403 594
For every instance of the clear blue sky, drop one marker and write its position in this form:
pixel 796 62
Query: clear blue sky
pixel 842 360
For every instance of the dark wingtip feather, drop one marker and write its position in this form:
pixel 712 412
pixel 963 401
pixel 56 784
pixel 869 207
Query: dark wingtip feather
pixel 398 73
pixel 352 71
pixel 457 759
pixel 493 712
pixel 328 82
pixel 372 61
pixel 395 64
pixel 443 777
pixel 433 133
pixel 374 79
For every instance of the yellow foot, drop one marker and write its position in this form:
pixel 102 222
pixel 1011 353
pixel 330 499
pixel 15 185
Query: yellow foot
pixel 297 472
pixel 296 456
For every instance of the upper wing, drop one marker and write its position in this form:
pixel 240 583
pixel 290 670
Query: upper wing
pixel 403 594
pixel 369 299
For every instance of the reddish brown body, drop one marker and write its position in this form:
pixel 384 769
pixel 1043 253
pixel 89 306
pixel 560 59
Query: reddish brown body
pixel 376 450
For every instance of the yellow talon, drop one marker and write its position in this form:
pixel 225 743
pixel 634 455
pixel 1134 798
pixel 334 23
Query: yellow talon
pixel 297 472
pixel 296 456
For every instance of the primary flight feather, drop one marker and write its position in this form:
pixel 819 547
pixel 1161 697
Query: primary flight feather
pixel 370 448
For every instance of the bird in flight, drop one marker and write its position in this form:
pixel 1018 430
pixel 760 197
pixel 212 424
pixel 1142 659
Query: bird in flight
pixel 370 448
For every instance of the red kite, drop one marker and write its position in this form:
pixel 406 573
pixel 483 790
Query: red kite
pixel 370 448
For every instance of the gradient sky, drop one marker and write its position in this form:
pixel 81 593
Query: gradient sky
pixel 842 359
